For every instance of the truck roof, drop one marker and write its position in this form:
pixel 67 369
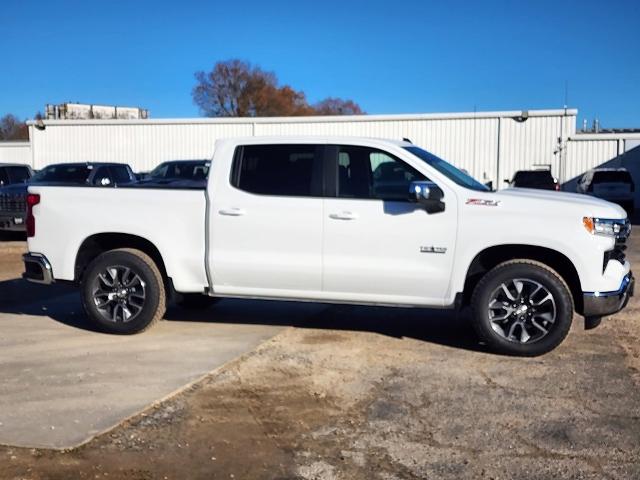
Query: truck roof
pixel 87 164
pixel 337 139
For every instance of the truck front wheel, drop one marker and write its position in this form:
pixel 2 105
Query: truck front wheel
pixel 123 291
pixel 522 307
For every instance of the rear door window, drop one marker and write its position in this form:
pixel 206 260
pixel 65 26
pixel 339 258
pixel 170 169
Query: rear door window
pixel 4 176
pixel 612 177
pixel 120 174
pixel 280 170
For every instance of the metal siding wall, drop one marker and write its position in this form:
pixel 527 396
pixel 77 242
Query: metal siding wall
pixel 142 146
pixel 583 155
pixel 15 152
pixel 468 142
pixel 533 142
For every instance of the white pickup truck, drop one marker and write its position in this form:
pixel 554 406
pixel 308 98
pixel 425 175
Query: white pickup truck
pixel 337 220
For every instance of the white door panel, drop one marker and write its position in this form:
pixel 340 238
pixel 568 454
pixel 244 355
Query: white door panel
pixel 376 254
pixel 267 243
pixel 265 227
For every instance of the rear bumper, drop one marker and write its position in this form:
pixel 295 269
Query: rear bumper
pixel 37 268
pixel 599 304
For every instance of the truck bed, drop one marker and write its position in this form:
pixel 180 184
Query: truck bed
pixel 172 219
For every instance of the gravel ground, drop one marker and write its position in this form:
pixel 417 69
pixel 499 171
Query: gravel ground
pixel 372 393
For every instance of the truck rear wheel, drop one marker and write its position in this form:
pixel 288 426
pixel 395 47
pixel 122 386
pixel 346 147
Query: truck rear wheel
pixel 123 291
pixel 522 307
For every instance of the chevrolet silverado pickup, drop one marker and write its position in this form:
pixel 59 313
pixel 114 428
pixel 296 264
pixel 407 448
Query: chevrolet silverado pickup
pixel 13 209
pixel 13 198
pixel 337 220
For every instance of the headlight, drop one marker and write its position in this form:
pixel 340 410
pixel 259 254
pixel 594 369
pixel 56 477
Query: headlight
pixel 609 227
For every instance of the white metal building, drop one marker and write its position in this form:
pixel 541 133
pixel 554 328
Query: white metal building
pixel 15 152
pixel 490 145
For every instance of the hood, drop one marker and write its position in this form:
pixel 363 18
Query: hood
pixel 532 198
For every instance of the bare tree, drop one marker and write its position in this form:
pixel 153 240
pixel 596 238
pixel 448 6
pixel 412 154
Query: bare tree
pixel 12 128
pixel 235 88
pixel 337 106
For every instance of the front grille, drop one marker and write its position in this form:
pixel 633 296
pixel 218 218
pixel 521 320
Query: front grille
pixel 625 231
pixel 618 252
pixel 10 203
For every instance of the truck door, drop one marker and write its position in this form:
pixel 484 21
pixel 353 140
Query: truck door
pixel 378 247
pixel 266 222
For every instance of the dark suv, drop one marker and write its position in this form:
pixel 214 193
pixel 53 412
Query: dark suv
pixel 612 184
pixel 12 184
pixel 93 174
pixel 541 179
pixel 13 198
pixel 178 173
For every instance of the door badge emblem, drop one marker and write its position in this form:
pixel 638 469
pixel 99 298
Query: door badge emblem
pixel 431 249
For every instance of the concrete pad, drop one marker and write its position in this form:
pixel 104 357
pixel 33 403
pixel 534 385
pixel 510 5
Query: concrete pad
pixel 61 383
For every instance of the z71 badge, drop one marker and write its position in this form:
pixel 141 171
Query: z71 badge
pixel 483 202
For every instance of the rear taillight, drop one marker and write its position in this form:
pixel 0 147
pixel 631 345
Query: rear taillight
pixel 32 200
pixel 557 187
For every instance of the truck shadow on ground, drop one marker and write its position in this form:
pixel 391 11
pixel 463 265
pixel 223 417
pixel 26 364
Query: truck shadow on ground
pixel 61 303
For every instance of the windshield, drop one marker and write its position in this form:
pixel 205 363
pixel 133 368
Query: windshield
pixel 63 173
pixel 448 170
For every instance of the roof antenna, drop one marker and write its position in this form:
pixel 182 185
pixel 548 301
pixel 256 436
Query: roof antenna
pixel 404 139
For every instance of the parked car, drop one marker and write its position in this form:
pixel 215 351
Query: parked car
pixel 541 179
pixel 305 218
pixel 97 174
pixel 178 172
pixel 12 207
pixel 612 184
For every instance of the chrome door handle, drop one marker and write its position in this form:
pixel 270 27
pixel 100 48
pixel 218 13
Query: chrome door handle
pixel 232 212
pixel 343 216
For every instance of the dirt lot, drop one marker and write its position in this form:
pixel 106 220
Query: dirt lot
pixel 370 393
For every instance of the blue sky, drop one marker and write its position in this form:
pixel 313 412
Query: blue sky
pixel 389 56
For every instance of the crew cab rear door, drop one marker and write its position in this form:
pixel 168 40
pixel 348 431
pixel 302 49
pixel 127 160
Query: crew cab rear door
pixel 265 221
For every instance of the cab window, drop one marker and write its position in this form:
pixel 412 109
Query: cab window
pixel 369 173
pixel 280 170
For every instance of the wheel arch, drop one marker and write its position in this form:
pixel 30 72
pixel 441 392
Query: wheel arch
pixel 492 256
pixel 99 243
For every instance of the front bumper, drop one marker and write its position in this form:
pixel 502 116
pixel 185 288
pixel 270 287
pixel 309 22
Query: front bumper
pixel 599 304
pixel 37 268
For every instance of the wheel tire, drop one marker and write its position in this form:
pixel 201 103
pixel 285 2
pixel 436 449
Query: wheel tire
pixel 534 272
pixel 196 301
pixel 146 312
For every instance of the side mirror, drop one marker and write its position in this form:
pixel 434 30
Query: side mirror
pixel 104 182
pixel 427 194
